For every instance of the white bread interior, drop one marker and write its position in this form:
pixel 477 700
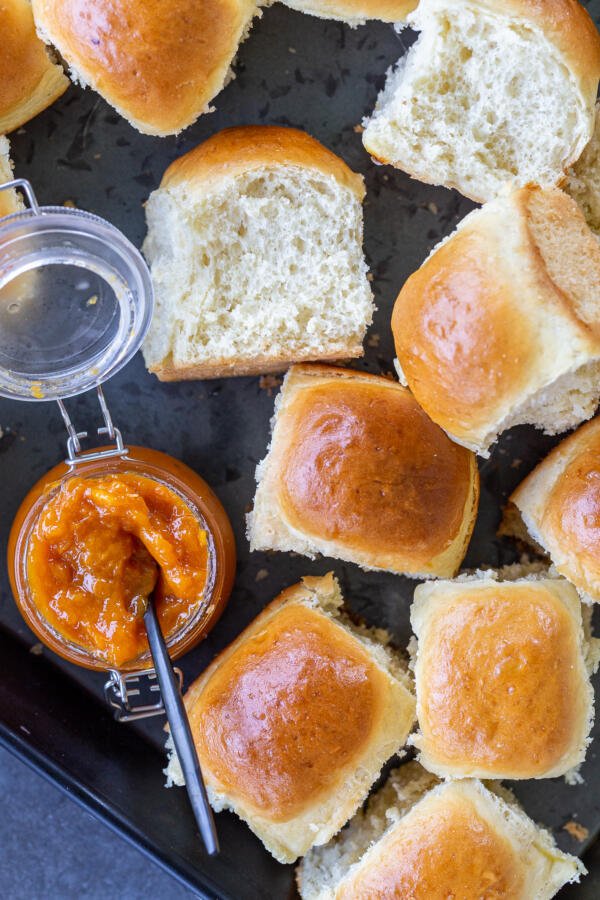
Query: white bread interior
pixel 263 269
pixel 9 200
pixel 327 869
pixel 320 819
pixel 355 12
pixel 583 182
pixel 485 96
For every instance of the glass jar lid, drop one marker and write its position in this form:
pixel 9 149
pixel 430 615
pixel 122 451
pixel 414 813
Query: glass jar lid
pixel 75 301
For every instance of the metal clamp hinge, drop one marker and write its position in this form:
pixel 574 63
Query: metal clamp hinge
pixel 25 187
pixel 74 450
pixel 128 694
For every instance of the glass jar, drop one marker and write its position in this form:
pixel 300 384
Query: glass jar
pixel 165 470
pixel 75 302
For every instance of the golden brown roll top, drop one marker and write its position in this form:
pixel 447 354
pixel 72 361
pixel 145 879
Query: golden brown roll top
pixel 421 841
pixel 493 325
pixel 560 505
pixel 295 719
pixel 356 470
pixel 29 80
pixel 159 64
pixel 251 707
pixel 503 687
pixel 446 844
pixel 246 148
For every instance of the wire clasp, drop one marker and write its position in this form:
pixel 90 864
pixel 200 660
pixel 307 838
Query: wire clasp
pixel 135 695
pixel 75 453
pixel 25 186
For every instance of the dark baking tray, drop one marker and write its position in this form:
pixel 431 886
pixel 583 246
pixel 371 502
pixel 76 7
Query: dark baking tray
pixel 323 77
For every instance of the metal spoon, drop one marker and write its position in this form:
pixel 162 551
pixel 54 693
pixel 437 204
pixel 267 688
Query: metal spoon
pixel 179 725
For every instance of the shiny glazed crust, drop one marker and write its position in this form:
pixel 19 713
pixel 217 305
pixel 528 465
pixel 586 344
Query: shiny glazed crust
pixel 400 498
pixel 559 503
pixel 29 80
pixel 502 682
pixel 493 317
pixel 236 151
pixel 316 816
pixel 159 64
pixel 459 839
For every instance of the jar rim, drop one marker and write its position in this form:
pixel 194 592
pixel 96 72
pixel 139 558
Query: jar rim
pixel 48 248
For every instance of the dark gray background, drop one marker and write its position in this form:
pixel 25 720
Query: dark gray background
pixel 323 77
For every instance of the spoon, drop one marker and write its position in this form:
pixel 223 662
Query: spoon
pixel 179 723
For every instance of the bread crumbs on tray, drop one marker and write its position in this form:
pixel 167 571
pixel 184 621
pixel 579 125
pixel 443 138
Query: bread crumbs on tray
pixel 576 830
pixel 261 575
pixel 373 340
pixel 358 129
pixel 269 383
pixel 36 649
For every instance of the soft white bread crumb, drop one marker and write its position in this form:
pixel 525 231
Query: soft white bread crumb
pixel 9 200
pixel 260 268
pixel 355 12
pixel 491 92
pixel 583 182
pixel 410 796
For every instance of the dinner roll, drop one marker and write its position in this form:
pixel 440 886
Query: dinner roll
pixel 493 91
pixel 355 12
pixel 294 720
pixel 454 840
pixel 502 675
pixel 501 324
pixel 559 503
pixel 255 247
pixel 358 472
pixel 158 64
pixel 29 78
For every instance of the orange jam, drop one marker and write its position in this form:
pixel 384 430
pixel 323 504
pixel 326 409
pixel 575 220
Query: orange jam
pixel 98 548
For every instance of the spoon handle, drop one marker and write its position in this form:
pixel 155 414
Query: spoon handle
pixel 180 730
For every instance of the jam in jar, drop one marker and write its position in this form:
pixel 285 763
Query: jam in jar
pixel 92 541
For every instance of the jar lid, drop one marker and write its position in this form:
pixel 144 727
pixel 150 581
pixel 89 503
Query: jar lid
pixel 75 301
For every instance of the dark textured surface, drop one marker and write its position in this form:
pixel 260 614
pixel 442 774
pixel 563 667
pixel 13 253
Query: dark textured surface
pixel 52 848
pixel 323 77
